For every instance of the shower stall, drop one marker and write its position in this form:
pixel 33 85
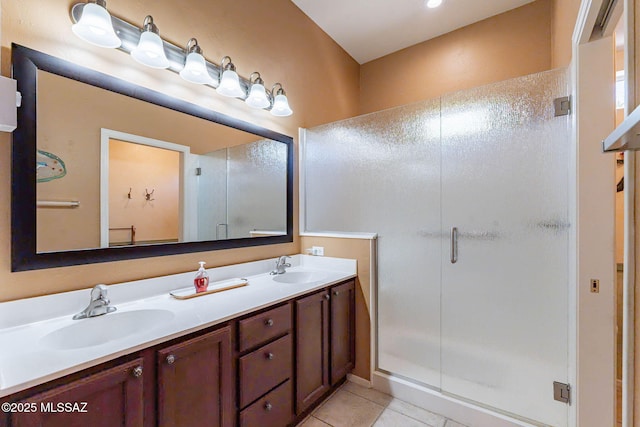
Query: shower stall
pixel 468 194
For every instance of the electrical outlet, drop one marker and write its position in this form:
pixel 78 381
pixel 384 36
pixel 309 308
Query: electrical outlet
pixel 595 286
pixel 317 250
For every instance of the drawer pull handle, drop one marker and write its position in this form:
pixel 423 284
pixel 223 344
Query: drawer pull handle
pixel 268 322
pixel 269 356
pixel 268 406
pixel 170 359
pixel 137 371
pixel 327 296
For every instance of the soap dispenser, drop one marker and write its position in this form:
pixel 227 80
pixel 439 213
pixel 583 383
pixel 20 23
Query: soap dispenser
pixel 201 281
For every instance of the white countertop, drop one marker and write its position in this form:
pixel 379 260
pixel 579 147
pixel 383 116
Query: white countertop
pixel 26 359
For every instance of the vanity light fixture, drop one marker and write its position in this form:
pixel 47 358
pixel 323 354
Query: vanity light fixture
pixel 195 69
pixel 229 83
pixel 433 3
pixel 150 50
pixel 147 47
pixel 95 25
pixel 280 103
pixel 257 93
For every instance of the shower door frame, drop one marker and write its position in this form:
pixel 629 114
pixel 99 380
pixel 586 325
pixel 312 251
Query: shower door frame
pixel 592 316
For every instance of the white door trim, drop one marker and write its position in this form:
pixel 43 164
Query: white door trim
pixel 592 201
pixel 185 189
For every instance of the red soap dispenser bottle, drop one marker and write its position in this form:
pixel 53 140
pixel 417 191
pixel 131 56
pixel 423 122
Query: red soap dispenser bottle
pixel 201 281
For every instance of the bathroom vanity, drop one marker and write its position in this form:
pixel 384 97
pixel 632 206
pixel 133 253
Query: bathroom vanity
pixel 264 354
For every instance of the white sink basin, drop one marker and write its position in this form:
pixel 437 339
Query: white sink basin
pixel 106 328
pixel 299 277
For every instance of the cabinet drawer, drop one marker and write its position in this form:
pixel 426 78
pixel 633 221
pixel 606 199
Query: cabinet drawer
pixel 264 368
pixel 262 327
pixel 273 410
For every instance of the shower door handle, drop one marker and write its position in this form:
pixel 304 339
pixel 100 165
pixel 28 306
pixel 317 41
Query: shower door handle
pixel 454 245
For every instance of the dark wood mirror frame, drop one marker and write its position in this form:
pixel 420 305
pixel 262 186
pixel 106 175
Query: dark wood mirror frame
pixel 24 256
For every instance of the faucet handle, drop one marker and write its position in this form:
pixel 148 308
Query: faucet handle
pixel 99 292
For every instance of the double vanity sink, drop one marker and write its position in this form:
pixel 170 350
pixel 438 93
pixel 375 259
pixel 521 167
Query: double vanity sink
pixel 45 343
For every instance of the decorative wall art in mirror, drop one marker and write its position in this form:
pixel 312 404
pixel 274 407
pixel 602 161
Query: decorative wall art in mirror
pixel 105 170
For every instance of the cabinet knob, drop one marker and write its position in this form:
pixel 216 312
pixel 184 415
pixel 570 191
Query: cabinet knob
pixel 269 356
pixel 336 293
pixel 137 371
pixel 327 296
pixel 268 406
pixel 170 359
pixel 268 322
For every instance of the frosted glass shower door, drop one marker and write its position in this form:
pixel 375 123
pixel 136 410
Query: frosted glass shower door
pixel 380 173
pixel 505 298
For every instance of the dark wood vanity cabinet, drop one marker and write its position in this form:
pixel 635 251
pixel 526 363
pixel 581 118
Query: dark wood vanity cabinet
pixel 312 349
pixel 194 382
pixel 325 328
pixel 264 369
pixel 113 397
pixel 265 373
pixel 191 384
pixel 342 331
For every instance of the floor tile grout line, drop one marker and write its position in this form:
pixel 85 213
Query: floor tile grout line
pixel 379 415
pixel 416 419
pixel 398 412
pixel 323 421
pixel 326 400
pixel 366 398
pixel 384 407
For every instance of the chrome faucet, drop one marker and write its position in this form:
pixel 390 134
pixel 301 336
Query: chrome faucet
pixel 98 305
pixel 281 265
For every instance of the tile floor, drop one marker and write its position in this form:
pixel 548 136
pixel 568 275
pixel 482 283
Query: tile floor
pixel 355 406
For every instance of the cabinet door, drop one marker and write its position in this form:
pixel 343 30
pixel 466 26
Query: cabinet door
pixel 195 383
pixel 110 398
pixel 342 330
pixel 312 349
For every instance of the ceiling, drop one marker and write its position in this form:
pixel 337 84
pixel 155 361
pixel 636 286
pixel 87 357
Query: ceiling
pixel 370 29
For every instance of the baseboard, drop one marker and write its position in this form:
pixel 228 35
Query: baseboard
pixel 434 401
pixel 359 381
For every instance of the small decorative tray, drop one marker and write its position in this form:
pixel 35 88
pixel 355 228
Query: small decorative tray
pixel 223 285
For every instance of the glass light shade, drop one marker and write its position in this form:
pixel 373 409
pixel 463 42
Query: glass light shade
pixel 281 106
pixel 150 51
pixel 434 3
pixel 257 97
pixel 95 27
pixel 195 69
pixel 230 85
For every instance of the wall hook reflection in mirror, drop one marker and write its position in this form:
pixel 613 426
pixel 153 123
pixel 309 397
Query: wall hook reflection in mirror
pixel 148 195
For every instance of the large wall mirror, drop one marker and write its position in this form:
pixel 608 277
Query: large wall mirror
pixel 105 170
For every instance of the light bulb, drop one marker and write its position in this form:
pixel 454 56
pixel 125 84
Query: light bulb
pixel 433 3
pixel 257 97
pixel 230 85
pixel 281 106
pixel 150 50
pixel 195 69
pixel 95 27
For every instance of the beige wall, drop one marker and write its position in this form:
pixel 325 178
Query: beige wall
pixel 564 15
pixel 273 37
pixel 509 45
pixel 359 249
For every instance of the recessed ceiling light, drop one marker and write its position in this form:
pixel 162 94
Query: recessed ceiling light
pixel 434 3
